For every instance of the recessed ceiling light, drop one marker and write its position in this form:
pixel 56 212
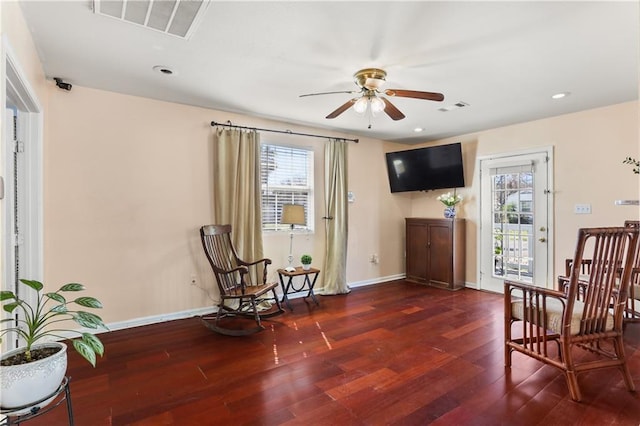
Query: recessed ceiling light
pixel 560 95
pixel 418 129
pixel 163 70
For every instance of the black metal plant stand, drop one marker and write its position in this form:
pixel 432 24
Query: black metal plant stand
pixel 63 393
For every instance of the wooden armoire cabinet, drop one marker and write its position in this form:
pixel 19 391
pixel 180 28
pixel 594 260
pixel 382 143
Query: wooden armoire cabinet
pixel 435 252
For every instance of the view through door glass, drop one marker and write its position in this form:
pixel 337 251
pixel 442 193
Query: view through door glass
pixel 514 221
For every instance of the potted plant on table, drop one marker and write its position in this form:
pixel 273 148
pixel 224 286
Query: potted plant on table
pixel 36 370
pixel 306 262
pixel 450 201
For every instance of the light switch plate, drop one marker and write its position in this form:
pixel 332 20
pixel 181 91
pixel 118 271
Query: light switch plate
pixel 582 209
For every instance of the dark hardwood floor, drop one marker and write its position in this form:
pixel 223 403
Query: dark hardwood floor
pixel 394 353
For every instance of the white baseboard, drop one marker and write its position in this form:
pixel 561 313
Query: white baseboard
pixel 474 286
pixel 138 322
pixel 154 319
pixel 355 284
pixel 378 280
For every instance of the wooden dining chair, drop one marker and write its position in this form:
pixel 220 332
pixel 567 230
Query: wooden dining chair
pixel 244 291
pixel 549 324
pixel 632 312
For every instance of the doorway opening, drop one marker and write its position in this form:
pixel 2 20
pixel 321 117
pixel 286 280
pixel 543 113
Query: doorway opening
pixel 516 232
pixel 21 216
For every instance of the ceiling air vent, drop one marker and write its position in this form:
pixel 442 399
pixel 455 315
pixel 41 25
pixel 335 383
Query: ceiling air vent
pixel 457 105
pixel 175 17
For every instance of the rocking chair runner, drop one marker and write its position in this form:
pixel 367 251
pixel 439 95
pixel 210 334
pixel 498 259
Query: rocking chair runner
pixel 592 321
pixel 243 286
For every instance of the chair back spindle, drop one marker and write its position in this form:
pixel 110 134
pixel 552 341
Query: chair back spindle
pixel 632 312
pixel 607 281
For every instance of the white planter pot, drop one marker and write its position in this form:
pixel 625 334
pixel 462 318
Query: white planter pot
pixel 306 267
pixel 22 385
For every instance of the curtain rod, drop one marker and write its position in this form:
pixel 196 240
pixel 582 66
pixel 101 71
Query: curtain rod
pixel 288 132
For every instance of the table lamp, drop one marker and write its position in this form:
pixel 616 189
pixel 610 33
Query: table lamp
pixel 292 214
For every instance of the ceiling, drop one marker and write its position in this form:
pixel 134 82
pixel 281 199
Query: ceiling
pixel 503 59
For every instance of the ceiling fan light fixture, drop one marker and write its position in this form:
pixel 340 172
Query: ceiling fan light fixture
pixel 371 101
pixel 370 78
pixel 377 105
pixel 360 106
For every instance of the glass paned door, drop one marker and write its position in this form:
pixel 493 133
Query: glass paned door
pixel 512 226
pixel 514 234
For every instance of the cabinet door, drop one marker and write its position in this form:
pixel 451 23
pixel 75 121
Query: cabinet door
pixel 440 256
pixel 416 252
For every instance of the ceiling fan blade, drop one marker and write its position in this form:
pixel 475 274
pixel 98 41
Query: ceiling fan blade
pixel 342 108
pixel 430 96
pixel 391 110
pixel 330 93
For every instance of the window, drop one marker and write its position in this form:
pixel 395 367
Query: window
pixel 286 176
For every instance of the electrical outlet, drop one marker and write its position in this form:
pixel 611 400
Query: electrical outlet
pixel 582 209
pixel 374 259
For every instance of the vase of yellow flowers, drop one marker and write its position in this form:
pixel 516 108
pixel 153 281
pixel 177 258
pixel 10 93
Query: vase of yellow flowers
pixel 450 200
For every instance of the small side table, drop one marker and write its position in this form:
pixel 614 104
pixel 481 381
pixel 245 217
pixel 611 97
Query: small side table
pixel 291 288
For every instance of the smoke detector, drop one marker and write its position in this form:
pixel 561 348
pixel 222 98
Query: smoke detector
pixel 457 105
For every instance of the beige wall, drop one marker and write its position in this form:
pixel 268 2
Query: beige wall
pixel 589 147
pixel 15 29
pixel 128 183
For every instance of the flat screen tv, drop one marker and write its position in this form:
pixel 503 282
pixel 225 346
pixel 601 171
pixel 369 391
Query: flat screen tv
pixel 422 169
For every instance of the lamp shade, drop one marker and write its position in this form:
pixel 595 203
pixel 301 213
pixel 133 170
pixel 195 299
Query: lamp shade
pixel 293 214
pixel 377 104
pixel 360 106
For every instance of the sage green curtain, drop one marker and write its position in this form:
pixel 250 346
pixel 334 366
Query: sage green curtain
pixel 335 188
pixel 236 189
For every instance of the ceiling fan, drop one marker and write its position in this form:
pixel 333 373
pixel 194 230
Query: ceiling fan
pixel 370 81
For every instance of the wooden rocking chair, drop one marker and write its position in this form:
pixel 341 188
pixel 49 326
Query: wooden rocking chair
pixel 244 291
pixel 592 322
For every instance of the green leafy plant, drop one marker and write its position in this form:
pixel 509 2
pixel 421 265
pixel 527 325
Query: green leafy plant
pixel 306 259
pixel 50 308
pixel 633 162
